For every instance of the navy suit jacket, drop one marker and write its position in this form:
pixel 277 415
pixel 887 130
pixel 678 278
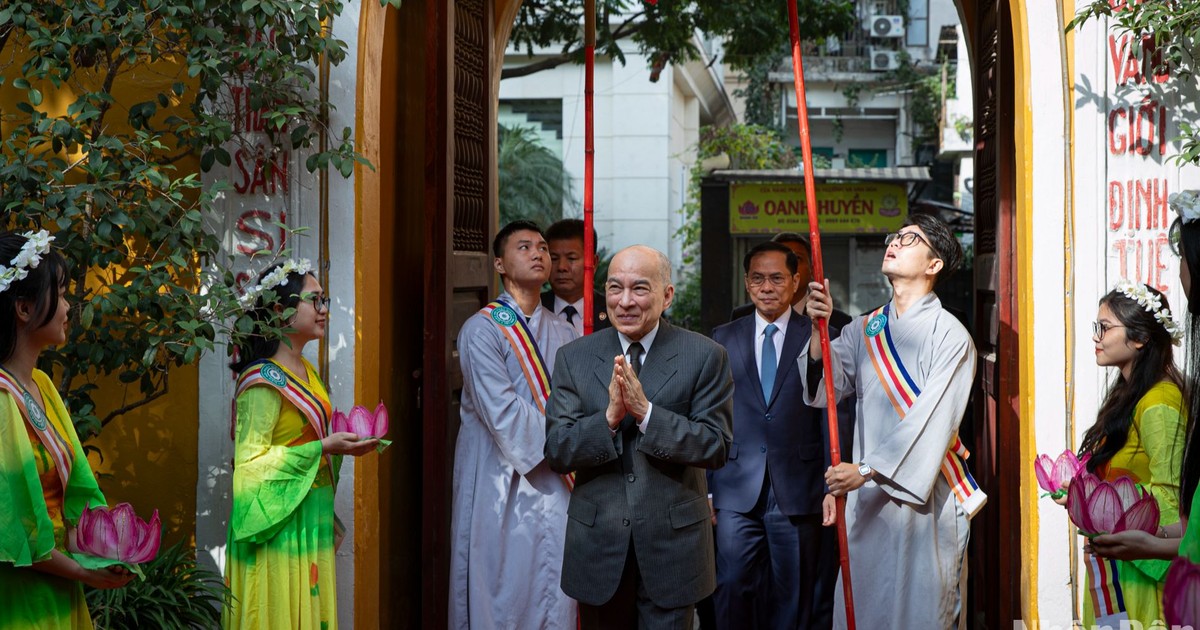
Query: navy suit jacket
pixel 781 434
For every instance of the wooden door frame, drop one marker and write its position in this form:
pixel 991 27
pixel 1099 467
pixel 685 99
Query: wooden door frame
pixel 997 595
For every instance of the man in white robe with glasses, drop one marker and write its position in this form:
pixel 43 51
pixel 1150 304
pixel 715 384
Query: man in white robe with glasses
pixel 909 495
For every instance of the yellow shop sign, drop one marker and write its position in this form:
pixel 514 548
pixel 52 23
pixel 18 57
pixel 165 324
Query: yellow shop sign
pixel 841 208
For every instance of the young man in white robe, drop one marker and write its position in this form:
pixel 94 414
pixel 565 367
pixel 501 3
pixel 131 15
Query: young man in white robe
pixel 509 519
pixel 911 365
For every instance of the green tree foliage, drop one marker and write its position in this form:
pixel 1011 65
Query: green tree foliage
pixel 1168 33
pixel 760 94
pixel 751 29
pixel 113 176
pixel 750 147
pixel 930 86
pixel 534 185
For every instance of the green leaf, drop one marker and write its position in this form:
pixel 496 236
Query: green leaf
pixel 35 97
pixel 87 315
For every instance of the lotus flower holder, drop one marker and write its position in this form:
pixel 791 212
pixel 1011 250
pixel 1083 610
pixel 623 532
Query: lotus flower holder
pixel 1053 476
pixel 1100 507
pixel 361 422
pixel 105 537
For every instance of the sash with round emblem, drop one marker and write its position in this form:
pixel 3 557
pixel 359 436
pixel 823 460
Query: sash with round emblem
pixel 876 324
pixel 273 375
pixel 504 315
pixel 36 416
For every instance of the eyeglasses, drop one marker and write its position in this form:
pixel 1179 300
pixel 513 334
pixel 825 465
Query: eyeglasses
pixel 907 239
pixel 1098 329
pixel 757 279
pixel 319 302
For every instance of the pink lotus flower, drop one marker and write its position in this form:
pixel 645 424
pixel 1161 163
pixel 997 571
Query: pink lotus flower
pixel 361 422
pixel 1181 594
pixel 1100 507
pixel 116 534
pixel 1053 476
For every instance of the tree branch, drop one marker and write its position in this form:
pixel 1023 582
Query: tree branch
pixel 112 415
pixel 535 67
pixel 623 31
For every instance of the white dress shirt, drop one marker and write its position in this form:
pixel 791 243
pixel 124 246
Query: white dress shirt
pixel 646 341
pixel 560 304
pixel 760 327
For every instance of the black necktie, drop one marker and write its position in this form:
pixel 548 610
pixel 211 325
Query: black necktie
pixel 635 358
pixel 570 312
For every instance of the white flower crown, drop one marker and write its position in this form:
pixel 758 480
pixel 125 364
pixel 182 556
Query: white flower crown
pixel 1186 203
pixel 1151 302
pixel 30 256
pixel 276 278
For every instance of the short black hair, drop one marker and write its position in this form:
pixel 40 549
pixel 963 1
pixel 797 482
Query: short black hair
pixel 793 263
pixel 793 237
pixel 941 240
pixel 565 229
pixel 519 225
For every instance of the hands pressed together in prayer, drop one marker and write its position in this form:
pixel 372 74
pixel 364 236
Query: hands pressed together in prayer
pixel 625 395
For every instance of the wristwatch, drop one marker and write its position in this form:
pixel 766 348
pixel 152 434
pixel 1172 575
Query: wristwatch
pixel 865 470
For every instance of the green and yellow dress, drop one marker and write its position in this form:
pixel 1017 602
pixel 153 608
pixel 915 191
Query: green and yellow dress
pixel 280 551
pixel 1152 457
pixel 35 511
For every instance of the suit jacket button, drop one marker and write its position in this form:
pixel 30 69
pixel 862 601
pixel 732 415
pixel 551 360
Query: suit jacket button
pixel 625 522
pixel 768 417
pixel 762 449
pixel 631 477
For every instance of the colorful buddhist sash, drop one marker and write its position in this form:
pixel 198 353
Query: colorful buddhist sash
pixel 51 436
pixel 1104 587
pixel 525 349
pixel 314 407
pixel 902 391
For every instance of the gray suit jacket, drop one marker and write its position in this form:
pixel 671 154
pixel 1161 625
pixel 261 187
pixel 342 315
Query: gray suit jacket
pixel 648 489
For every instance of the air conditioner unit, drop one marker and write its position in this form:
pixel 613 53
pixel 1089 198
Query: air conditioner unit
pixel 883 60
pixel 885 25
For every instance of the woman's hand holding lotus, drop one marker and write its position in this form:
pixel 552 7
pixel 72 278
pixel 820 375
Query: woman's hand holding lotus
pixel 108 541
pixel 357 433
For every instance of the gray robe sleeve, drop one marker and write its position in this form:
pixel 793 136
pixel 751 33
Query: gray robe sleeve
pixel 908 461
pixel 844 358
pixel 504 406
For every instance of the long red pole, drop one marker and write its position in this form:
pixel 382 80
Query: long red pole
pixel 814 235
pixel 589 162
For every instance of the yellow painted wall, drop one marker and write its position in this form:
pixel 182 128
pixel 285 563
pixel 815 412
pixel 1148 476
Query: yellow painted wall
pixel 148 456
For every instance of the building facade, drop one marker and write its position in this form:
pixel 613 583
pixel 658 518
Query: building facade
pixel 647 127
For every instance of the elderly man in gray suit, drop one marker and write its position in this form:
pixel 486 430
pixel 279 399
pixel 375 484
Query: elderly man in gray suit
pixel 637 412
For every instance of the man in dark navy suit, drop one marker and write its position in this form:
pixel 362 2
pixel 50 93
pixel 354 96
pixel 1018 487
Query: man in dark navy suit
pixel 770 497
pixel 565 297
